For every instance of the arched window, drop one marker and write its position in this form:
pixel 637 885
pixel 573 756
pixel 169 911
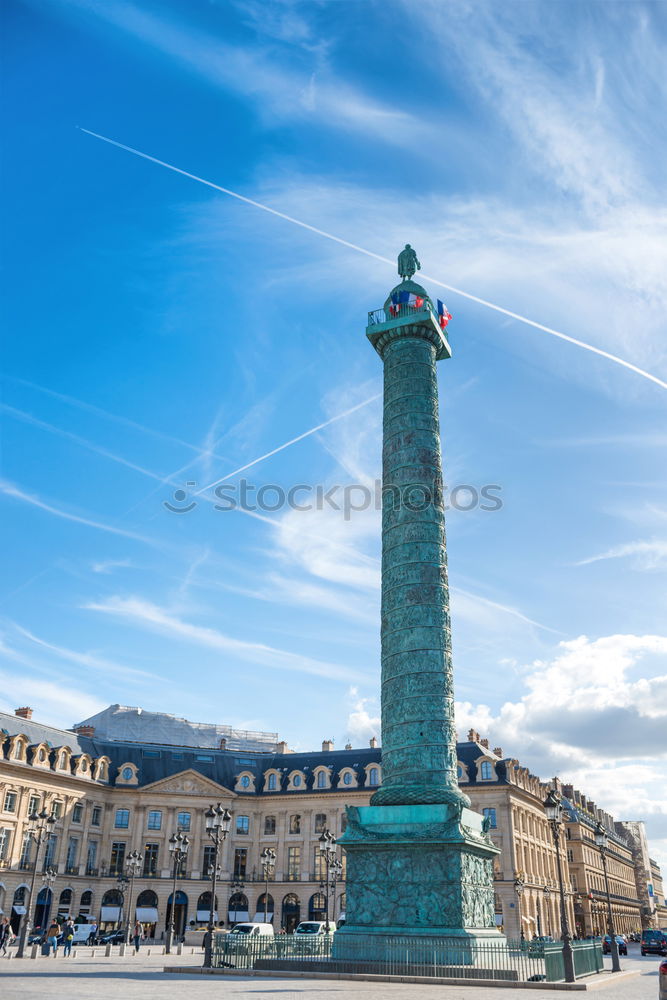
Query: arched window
pixel 296 781
pixel 147 898
pixel 87 898
pixel 112 898
pixel 486 770
pixel 321 779
pixel 238 908
pixel 291 914
pixel 374 776
pixel 272 783
pixel 317 906
pixel 62 763
pixel 264 904
pixel 269 824
pixel 65 898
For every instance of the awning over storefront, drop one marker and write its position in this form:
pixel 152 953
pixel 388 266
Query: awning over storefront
pixel 259 916
pixel 203 915
pixel 147 914
pixel 239 916
pixel 19 909
pixel 109 914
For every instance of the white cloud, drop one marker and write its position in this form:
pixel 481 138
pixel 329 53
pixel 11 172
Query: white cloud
pixel 60 703
pixel 361 725
pixel 91 661
pixel 596 715
pixel 650 555
pixel 145 614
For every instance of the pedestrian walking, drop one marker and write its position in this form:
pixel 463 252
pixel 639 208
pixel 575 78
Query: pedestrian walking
pixel 92 937
pixel 53 934
pixel 137 936
pixel 6 934
pixel 68 937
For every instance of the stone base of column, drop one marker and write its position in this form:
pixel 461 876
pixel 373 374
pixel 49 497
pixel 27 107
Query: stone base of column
pixel 417 872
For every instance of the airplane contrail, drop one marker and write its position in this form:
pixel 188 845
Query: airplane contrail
pixel 385 260
pixel 281 447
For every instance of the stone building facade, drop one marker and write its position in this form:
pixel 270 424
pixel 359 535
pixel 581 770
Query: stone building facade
pixel 112 792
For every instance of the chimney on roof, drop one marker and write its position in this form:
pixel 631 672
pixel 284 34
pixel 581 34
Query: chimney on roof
pixel 282 747
pixel 498 751
pixel 373 742
pixel 348 746
pixel 327 746
pixel 485 743
pixel 223 743
pixel 87 731
pixel 23 713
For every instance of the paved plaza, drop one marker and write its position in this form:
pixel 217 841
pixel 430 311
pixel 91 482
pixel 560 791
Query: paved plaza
pixel 143 978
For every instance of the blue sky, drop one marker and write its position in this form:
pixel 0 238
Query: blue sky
pixel 159 332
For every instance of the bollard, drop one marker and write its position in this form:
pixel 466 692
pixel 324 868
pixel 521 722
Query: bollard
pixel 121 950
pixel 179 950
pixel 92 953
pixel 33 953
pixel 148 951
pixel 108 950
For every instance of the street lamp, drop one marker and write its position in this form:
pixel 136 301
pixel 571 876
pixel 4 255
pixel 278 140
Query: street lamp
pixel 553 807
pixel 519 888
pixel 39 830
pixel 333 867
pixel 178 848
pixel 601 839
pixel 133 864
pixel 218 822
pixel 268 862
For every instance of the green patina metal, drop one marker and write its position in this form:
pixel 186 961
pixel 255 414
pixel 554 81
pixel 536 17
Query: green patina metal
pixel 419 860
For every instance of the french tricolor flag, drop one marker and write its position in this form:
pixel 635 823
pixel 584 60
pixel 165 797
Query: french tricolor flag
pixel 444 315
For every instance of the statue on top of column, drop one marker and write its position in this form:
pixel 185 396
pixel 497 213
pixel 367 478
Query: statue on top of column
pixel 407 262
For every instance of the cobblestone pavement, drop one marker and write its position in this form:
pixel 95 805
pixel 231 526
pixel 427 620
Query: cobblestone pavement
pixel 143 978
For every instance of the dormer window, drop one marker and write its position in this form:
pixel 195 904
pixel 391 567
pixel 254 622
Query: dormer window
pixel 347 778
pixel 62 760
pixel 296 781
pixel 272 783
pixel 374 776
pixel 486 770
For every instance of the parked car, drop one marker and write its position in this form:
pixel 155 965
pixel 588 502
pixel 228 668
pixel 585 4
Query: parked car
pixel 654 943
pixel 662 981
pixel 111 937
pixel 620 943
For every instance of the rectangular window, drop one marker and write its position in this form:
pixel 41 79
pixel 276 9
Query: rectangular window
pixel 154 819
pixel 150 859
pixel 293 863
pixel 4 843
pixel 96 817
pixel 269 824
pixel 34 804
pixel 183 821
pixel 320 822
pixel 150 753
pixel 570 855
pixel 72 851
pixel 91 858
pixel 295 824
pixel 240 862
pixel 204 757
pixel 26 851
pixel 56 809
pixel 77 813
pixel 177 755
pixel 10 802
pixel 242 824
pixel 117 862
pixel 320 868
pixel 490 814
pixel 50 852
pixel 209 861
pixel 122 820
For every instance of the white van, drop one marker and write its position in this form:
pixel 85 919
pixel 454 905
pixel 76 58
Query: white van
pixel 249 935
pixel 81 932
pixel 315 928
